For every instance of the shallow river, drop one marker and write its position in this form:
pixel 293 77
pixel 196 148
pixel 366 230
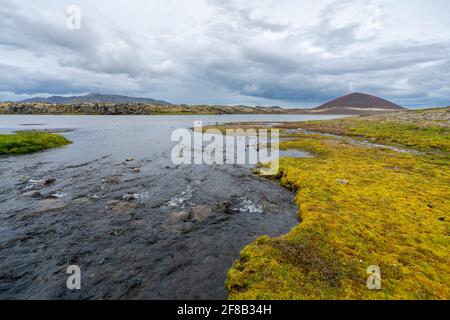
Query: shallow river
pixel 138 229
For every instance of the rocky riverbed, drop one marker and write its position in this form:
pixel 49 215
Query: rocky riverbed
pixel 138 226
pixel 172 234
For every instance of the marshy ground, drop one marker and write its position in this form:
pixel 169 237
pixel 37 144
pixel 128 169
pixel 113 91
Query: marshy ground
pixel 360 205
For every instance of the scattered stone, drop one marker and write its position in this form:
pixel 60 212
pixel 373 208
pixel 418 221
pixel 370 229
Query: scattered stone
pixel 136 170
pixel 201 212
pixel 82 201
pixel 179 216
pixel 32 194
pixel 267 206
pixel 226 206
pixel 111 204
pixel 38 183
pixel 123 207
pixel 48 181
pixel 342 181
pixel 92 196
pixel 129 159
pixel 112 179
pixel 49 204
pixel 196 183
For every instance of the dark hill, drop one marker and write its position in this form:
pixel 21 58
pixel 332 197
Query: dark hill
pixel 357 101
pixel 95 98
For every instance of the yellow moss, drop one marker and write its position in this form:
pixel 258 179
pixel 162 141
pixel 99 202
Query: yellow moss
pixel 358 206
pixel 420 135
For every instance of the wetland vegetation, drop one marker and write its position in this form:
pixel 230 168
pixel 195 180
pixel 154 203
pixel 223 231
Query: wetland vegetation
pixel 359 205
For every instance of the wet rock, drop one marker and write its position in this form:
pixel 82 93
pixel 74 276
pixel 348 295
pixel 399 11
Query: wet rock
pixel 179 216
pixel 33 184
pixel 196 183
pixel 267 206
pixel 123 207
pixel 135 170
pixel 129 159
pixel 48 181
pixel 82 201
pixel 226 206
pixel 112 179
pixel 25 179
pixel 111 204
pixel 201 212
pixel 342 181
pixel 49 204
pixel 32 194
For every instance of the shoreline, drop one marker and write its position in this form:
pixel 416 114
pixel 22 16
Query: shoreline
pixel 20 108
pixel 342 228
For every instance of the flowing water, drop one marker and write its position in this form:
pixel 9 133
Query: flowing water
pixel 113 203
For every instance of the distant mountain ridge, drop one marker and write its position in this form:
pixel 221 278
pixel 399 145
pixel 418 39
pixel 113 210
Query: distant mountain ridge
pixel 95 98
pixel 351 104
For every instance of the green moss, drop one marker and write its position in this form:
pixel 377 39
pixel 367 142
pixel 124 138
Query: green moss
pixel 413 135
pixel 28 141
pixel 359 206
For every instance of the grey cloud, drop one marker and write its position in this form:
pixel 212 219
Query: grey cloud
pixel 82 49
pixel 245 17
pixel 236 55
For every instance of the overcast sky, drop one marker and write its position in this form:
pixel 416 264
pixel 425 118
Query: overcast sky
pixel 264 52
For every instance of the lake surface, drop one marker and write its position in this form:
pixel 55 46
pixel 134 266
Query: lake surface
pixel 138 229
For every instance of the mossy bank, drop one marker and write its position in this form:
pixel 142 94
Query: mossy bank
pixel 359 206
pixel 28 141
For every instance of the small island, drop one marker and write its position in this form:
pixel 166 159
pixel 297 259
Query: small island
pixel 23 142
